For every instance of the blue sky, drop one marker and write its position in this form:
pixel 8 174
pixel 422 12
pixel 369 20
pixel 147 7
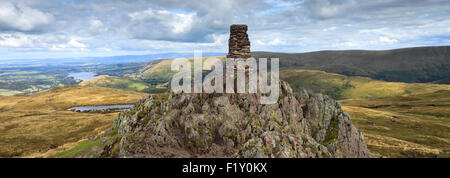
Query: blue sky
pixel 77 28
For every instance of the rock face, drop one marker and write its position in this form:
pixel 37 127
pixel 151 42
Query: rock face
pixel 238 44
pixel 235 125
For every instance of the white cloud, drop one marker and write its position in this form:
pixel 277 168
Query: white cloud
pixel 175 22
pixel 273 42
pixel 260 42
pixel 74 43
pixel 162 25
pixel 384 39
pixel 96 26
pixel 22 18
pixel 276 41
pixel 329 29
pixel 104 49
pixel 346 44
pixel 9 40
pixel 325 9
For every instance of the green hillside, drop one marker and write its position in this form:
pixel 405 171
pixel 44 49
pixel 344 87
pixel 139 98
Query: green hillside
pixel 124 84
pixel 351 87
pixel 161 70
pixel 420 64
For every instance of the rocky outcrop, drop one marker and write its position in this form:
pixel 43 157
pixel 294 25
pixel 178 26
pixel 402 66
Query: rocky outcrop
pixel 238 44
pixel 235 125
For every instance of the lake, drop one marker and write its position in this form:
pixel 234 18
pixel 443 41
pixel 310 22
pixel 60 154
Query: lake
pixel 106 108
pixel 83 75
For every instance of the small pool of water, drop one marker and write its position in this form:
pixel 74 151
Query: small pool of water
pixel 83 75
pixel 108 108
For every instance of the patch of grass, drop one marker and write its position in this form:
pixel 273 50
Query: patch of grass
pixel 117 82
pixel 83 148
pixel 332 132
pixel 5 92
pixel 404 124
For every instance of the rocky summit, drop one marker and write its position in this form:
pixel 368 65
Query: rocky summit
pixel 299 125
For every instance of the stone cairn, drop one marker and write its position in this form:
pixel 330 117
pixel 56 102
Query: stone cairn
pixel 239 48
pixel 238 44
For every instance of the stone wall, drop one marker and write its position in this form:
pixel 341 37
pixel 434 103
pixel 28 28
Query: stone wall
pixel 238 44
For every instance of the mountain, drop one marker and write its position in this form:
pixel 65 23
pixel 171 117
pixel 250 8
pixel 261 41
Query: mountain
pixel 419 64
pixel 235 125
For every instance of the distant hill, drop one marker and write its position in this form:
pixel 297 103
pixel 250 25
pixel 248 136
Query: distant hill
pixel 410 65
pixel 160 70
pixel 8 63
pixel 419 64
pixel 116 82
pixel 353 87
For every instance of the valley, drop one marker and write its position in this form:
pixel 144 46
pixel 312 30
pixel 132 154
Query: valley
pixel 30 79
pixel 32 125
pixel 398 119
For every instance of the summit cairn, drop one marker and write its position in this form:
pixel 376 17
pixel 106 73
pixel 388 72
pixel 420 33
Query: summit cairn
pixel 238 44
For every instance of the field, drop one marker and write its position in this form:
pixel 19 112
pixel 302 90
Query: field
pixel 27 79
pixel 31 80
pixel 33 125
pixel 405 126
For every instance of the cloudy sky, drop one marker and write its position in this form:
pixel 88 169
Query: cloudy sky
pixel 74 28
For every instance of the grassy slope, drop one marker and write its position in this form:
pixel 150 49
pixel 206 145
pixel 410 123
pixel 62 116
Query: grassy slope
pixel 5 92
pixel 162 69
pixel 116 82
pixel 83 148
pixel 345 87
pixel 34 124
pixel 398 119
pixel 405 125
